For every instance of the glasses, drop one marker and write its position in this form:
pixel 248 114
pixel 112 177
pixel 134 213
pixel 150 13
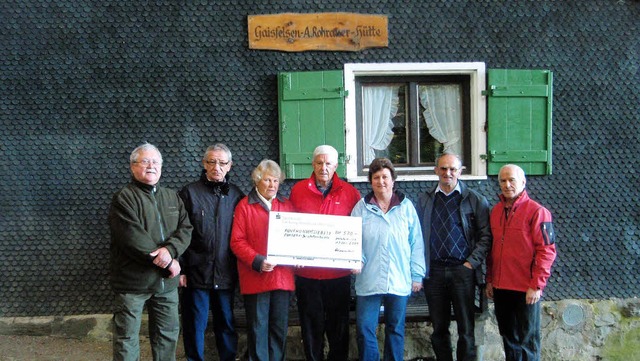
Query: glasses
pixel 217 162
pixel 444 169
pixel 146 162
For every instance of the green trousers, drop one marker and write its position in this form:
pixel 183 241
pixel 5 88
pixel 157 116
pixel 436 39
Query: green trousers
pixel 164 325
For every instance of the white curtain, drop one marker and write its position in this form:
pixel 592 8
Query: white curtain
pixel 443 114
pixel 380 105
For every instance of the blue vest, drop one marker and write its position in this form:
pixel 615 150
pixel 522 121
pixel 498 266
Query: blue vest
pixel 448 244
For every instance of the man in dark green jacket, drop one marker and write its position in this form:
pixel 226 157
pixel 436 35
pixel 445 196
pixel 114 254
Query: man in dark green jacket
pixel 150 229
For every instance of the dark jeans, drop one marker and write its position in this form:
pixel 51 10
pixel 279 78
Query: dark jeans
pixel 367 312
pixel 451 286
pixel 323 306
pixel 519 325
pixel 267 322
pixel 196 303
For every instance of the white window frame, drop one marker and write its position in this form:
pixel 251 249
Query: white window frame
pixel 477 74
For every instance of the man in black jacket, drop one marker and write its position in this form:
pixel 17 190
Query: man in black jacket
pixel 457 235
pixel 208 265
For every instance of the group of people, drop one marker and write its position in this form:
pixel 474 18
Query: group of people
pixel 210 236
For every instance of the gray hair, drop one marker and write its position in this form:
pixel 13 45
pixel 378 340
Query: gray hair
pixel 133 158
pixel 217 146
pixel 518 169
pixel 267 167
pixel 449 153
pixel 328 150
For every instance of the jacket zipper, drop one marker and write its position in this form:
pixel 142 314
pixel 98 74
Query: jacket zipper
pixel 159 216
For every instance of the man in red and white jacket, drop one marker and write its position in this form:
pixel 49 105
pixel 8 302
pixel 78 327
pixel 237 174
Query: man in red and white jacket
pixel 519 264
pixel 324 293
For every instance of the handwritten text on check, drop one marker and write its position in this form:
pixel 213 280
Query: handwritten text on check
pixel 315 240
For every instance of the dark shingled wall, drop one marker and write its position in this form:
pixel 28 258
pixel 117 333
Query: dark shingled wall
pixel 84 82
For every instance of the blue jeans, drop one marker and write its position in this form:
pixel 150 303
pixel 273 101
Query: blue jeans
pixel 164 325
pixel 323 306
pixel 267 322
pixel 449 286
pixel 519 325
pixel 367 311
pixel 196 303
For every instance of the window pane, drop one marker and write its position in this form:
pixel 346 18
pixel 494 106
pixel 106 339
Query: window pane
pixel 430 148
pixel 384 127
pixel 441 111
pixel 397 150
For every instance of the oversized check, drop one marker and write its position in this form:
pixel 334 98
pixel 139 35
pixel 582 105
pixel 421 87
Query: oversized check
pixel 315 240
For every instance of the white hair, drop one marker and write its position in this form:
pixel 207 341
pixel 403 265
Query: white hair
pixel 328 150
pixel 146 146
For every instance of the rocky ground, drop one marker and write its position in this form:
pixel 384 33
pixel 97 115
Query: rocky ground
pixel 52 348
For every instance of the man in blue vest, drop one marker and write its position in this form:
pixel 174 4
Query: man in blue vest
pixel 457 235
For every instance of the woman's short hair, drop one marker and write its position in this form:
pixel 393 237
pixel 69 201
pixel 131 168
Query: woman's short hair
pixel 380 163
pixel 267 167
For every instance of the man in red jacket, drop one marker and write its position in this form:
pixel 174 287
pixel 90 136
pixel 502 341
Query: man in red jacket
pixel 519 264
pixel 323 293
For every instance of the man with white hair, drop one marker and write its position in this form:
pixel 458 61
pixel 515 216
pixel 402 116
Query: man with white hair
pixel 150 229
pixel 324 293
pixel 519 264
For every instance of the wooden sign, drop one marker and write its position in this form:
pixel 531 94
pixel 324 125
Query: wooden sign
pixel 319 31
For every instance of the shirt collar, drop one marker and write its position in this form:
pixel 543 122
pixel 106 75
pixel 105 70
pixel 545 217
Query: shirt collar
pixel 457 188
pixel 267 202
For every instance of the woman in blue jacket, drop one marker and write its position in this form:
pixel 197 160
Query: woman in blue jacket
pixel 392 262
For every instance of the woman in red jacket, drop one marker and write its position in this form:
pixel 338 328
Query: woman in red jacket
pixel 266 287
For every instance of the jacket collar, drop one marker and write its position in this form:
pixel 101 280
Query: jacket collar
pixel 144 187
pixel 523 197
pixel 400 196
pixel 335 183
pixel 253 197
pixel 216 187
pixel 463 189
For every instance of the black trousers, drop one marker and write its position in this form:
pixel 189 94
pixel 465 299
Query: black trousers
pixel 519 325
pixel 447 287
pixel 267 323
pixel 324 309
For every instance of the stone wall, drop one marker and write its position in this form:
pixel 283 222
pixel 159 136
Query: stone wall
pixel 572 330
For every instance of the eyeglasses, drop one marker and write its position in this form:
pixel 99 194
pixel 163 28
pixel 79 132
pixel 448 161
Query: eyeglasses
pixel 217 162
pixel 146 162
pixel 444 169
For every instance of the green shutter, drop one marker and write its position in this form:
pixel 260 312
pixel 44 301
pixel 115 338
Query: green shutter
pixel 519 106
pixel 311 113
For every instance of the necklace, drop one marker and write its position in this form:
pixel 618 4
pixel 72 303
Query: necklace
pixel 384 206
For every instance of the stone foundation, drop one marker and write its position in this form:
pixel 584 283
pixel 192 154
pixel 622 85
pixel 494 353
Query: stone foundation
pixel 571 330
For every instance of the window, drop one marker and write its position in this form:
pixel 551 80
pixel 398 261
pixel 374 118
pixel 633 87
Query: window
pixel 411 120
pixel 412 112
